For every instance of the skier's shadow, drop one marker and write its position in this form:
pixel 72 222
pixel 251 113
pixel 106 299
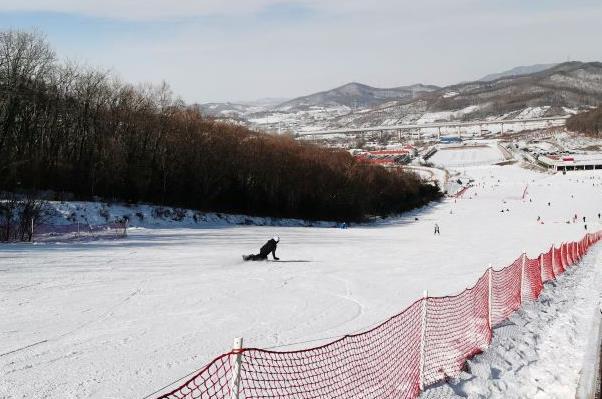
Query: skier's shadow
pixel 290 261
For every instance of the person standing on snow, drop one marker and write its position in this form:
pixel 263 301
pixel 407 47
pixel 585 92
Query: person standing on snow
pixel 268 247
pixel 437 229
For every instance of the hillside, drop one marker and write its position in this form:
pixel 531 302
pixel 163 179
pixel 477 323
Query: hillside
pixel 589 122
pixel 356 95
pixel 522 92
pixel 237 110
pixel 559 90
pixel 572 85
pixel 516 71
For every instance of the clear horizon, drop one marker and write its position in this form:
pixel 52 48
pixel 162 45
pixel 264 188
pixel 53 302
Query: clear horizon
pixel 212 51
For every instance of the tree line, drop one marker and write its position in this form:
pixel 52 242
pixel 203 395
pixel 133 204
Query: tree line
pixel 77 129
pixel 589 122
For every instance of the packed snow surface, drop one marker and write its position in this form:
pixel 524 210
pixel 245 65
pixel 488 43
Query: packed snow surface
pixel 122 318
pixel 469 155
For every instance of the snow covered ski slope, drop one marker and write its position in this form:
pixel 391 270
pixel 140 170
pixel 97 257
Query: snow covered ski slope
pixel 465 156
pixel 122 318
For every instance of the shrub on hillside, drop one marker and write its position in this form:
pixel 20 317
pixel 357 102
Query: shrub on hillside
pixel 589 122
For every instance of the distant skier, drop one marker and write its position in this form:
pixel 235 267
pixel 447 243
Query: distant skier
pixel 437 229
pixel 268 247
pixel 583 219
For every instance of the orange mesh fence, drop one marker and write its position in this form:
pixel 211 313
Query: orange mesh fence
pixel 547 273
pixel 457 327
pixel 505 291
pixel 532 284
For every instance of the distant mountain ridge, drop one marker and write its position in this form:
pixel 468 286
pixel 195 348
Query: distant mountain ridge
pixel 533 91
pixel 517 71
pixel 357 95
pixel 559 90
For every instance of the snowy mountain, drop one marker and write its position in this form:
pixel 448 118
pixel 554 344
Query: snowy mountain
pixel 225 110
pixel 356 95
pixel 516 71
pixel 559 90
pixel 238 110
pixel 522 92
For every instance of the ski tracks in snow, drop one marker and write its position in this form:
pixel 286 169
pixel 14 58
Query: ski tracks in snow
pixel 107 313
pixel 539 351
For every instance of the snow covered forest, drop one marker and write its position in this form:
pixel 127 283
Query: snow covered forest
pixel 77 129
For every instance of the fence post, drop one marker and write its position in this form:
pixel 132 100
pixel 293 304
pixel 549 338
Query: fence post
pixel 78 228
pixel 31 236
pixel 541 269
pixel 425 296
pixel 490 297
pixel 522 275
pixel 235 382
pixel 553 261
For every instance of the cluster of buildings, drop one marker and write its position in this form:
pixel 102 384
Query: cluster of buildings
pixel 388 156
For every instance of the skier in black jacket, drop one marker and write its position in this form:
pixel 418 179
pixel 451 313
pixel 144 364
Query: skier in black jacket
pixel 268 247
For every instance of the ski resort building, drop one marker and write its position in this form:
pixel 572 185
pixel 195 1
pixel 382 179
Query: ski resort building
pixel 450 139
pixel 571 162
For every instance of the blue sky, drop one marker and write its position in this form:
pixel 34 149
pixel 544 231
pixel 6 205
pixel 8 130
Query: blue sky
pixel 216 50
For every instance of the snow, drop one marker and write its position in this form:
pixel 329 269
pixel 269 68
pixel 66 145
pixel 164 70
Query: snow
pixel 532 112
pixel 589 376
pixel 122 318
pixel 450 94
pixel 430 117
pixel 150 216
pixel 438 176
pixel 466 156
pixel 540 351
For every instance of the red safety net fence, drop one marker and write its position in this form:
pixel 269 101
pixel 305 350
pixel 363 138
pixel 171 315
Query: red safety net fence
pixel 505 291
pixel 547 269
pixel 461 192
pixel 428 342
